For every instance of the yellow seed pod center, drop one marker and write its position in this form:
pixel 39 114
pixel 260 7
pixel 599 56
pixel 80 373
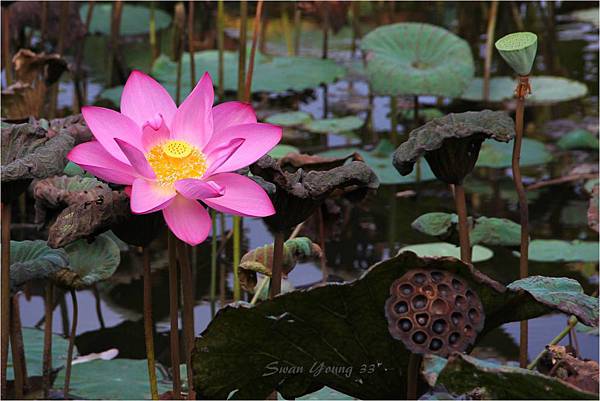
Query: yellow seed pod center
pixel 177 149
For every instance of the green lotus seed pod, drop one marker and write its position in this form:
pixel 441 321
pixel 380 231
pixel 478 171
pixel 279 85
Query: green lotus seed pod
pixel 518 50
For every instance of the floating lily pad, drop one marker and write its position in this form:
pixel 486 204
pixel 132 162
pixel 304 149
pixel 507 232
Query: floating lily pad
pixel 289 119
pixel 135 20
pixel 91 261
pixel 479 253
pixel 554 250
pixel 380 160
pixel 484 230
pixel 587 15
pixel 334 125
pixel 34 260
pixel 275 74
pixel 33 342
pixel 426 114
pixel 116 379
pixel 578 139
pixel 544 90
pixel 461 374
pixel 417 59
pixel 281 150
pixel 562 293
pixel 499 155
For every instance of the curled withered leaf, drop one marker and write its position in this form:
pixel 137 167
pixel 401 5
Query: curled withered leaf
pixel 296 194
pixel 451 143
pixel 34 73
pixel 84 207
pixel 74 125
pixel 260 260
pixel 559 363
pixel 29 152
pixel 293 161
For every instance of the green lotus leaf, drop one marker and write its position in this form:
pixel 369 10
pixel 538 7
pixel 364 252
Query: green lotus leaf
pixel 243 352
pixel 504 188
pixel 544 90
pixel 427 114
pixel 561 293
pixel 417 59
pixel 518 50
pixel 113 94
pixel 334 125
pixel 438 249
pixel 554 250
pixel 278 74
pixel 432 136
pixel 116 379
pixel 484 230
pixel 587 15
pixel 33 343
pixel 461 374
pixel 281 150
pixel 499 155
pixel 135 20
pixel 91 261
pixel 578 139
pixel 289 119
pixel 379 159
pixel 582 328
pixel 34 260
pixel 72 169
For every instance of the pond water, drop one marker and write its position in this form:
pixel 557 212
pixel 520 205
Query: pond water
pixel 379 226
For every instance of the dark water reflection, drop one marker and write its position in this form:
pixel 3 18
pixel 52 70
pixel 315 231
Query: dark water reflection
pixel 372 234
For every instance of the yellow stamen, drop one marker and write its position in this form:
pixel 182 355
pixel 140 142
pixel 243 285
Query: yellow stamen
pixel 175 160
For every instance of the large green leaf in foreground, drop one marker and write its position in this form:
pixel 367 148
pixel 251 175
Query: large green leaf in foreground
pixel 34 259
pixel 92 261
pixel 117 379
pixel 250 351
pixel 272 74
pixel 33 342
pixel 462 374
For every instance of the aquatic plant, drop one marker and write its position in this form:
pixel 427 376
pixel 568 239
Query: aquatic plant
pixel 518 50
pixel 451 145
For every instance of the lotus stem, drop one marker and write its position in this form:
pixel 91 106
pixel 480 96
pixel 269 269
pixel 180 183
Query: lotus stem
pixel 98 306
pixel 71 343
pixel 266 281
pixel 287 32
pixel 414 363
pixel 18 352
pixel 188 310
pixel 522 90
pixel 6 46
pixel 463 223
pixel 148 325
pixel 152 32
pixel 255 35
pixel 174 314
pixel 47 357
pixel 79 97
pixel 191 43
pixel 115 27
pixel 323 258
pixel 394 120
pixel 242 49
pixel 62 27
pixel 570 324
pixel 179 38
pixel 325 16
pixel 236 257
pixel 416 124
pixel 5 294
pixel 223 241
pixel 213 263
pixel 355 10
pixel 489 46
pixel 297 28
pixel 276 272
pixel 221 46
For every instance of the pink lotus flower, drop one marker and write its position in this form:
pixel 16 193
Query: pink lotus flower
pixel 172 157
